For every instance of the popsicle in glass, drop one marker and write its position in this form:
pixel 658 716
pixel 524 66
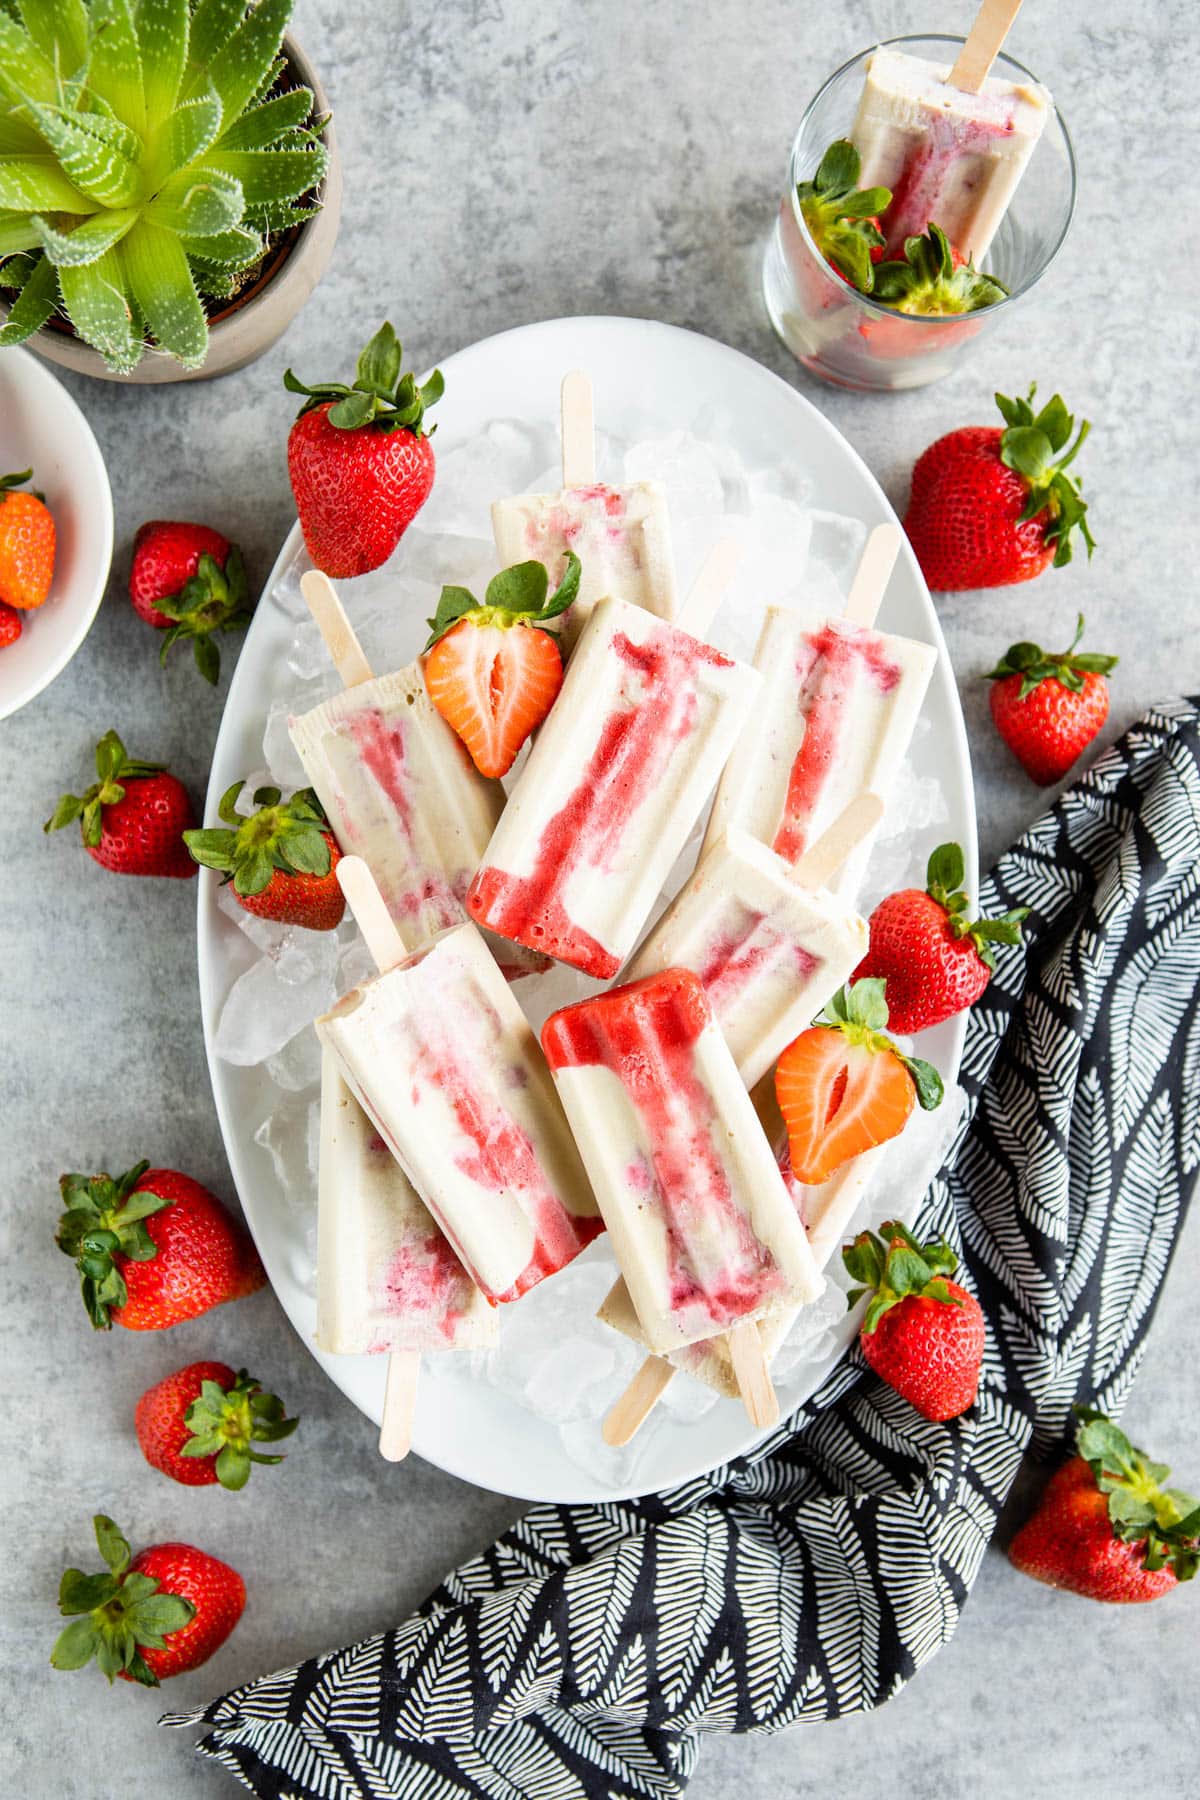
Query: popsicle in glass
pixel 646 717
pixel 951 143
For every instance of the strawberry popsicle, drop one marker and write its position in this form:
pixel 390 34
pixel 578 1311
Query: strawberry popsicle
pixel 700 1221
pixel 950 157
pixel 400 790
pixel 621 535
pixel 398 786
pixel 769 944
pixel 645 719
pixel 840 705
pixel 387 1280
pixel 441 1058
pixel 826 1212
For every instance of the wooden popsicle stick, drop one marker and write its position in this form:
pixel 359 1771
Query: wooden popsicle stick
pixel 638 1401
pixel 578 430
pixel 387 947
pixel 984 42
pixel 371 915
pixel 708 590
pixel 751 1372
pixel 834 845
pixel 344 648
pixel 399 1400
pixel 872 575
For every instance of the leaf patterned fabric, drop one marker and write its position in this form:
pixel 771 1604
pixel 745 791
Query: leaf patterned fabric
pixel 584 1654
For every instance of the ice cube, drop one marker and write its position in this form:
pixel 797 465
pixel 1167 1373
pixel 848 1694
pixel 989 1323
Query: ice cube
pixel 615 1465
pixel 290 1135
pixel 287 771
pixel 286 591
pixel 267 935
pixel 685 1399
pixel 297 1067
pixel 355 963
pixel 277 997
pixel 837 544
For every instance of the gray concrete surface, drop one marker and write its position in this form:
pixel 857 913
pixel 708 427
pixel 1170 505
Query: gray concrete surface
pixel 508 161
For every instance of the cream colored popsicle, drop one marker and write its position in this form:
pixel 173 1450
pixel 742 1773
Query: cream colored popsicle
pixel 700 1221
pixel 826 1211
pixel 387 1279
pixel 951 156
pixel 769 943
pixel 621 535
pixel 441 1058
pixel 834 721
pixel 398 786
pixel 646 717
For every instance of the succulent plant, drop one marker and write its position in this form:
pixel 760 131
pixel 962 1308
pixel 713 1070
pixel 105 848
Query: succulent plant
pixel 148 152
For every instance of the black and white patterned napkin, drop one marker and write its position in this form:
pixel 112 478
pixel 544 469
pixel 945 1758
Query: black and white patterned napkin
pixel 581 1656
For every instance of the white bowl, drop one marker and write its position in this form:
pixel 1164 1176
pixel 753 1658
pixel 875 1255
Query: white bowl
pixel 42 429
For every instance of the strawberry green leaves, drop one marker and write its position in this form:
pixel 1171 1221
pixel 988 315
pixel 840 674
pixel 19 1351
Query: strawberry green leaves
pixel 105 1220
pixel 1035 665
pixel 859 1011
pixel 1029 446
pixel 1139 1506
pixel 211 601
pixel 893 1265
pixel 113 768
pixel 123 1612
pixel 943 882
pixel 928 281
pixel 381 395
pixel 226 1422
pixel 843 219
pixel 282 834
pixel 516 596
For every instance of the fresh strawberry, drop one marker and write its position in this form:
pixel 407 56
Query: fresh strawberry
pixel 281 860
pixel 935 960
pixel 133 818
pixel 198 1425
pixel 921 1334
pixel 844 1086
pixel 154 1615
pixel 27 543
pixel 990 507
pixel 1048 707
pixel 1106 1527
pixel 189 581
pixel 359 460
pixel 153 1248
pixel 842 219
pixel 933 280
pixel 491 671
pixel 10 624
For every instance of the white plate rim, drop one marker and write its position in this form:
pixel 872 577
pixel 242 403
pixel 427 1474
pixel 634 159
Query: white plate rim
pixel 208 914
pixel 36 371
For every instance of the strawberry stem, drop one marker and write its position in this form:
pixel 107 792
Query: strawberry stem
pixel 893 1265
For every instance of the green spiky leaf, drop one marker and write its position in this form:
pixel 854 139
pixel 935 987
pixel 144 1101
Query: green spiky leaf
pixel 156 267
pixel 99 308
pixel 33 306
pixel 87 241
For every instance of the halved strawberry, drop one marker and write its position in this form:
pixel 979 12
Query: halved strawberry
pixel 844 1086
pixel 491 671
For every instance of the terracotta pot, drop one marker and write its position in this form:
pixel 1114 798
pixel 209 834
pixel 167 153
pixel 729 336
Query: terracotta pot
pixel 251 324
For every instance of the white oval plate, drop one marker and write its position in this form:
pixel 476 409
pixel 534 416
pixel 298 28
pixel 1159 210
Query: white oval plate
pixel 42 429
pixel 651 380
